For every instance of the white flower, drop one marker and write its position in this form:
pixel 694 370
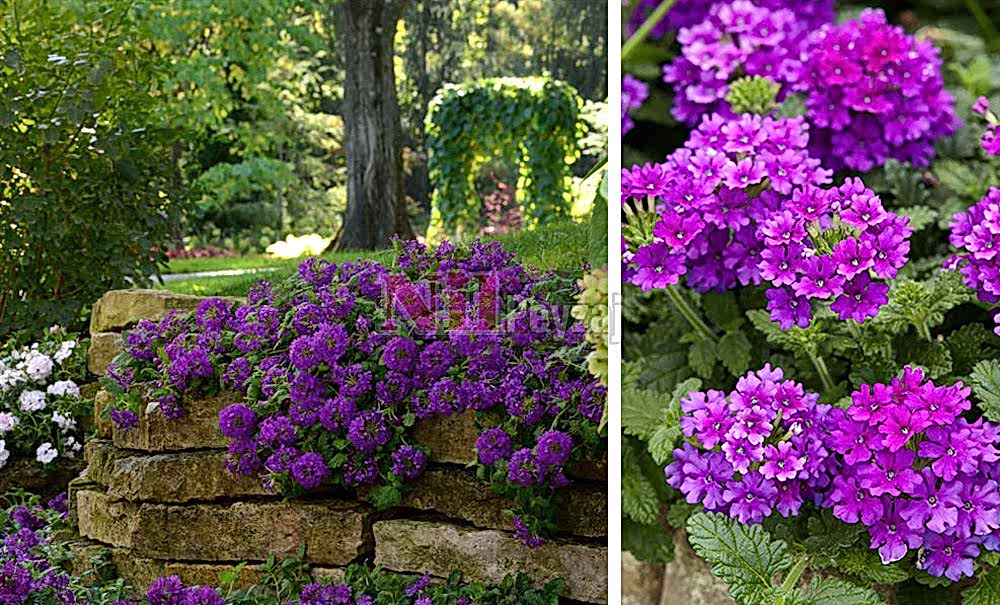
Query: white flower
pixel 32 401
pixel 4 454
pixel 10 378
pixel 71 447
pixel 65 350
pixel 64 387
pixel 65 422
pixel 7 422
pixel 46 453
pixel 38 366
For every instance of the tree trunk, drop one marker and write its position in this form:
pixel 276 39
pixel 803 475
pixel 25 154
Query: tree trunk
pixel 376 206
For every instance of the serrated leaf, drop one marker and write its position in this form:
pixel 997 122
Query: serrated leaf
pixel 642 411
pixel 679 513
pixel 866 565
pixel 702 356
pixel 985 592
pixel 985 379
pixel 664 439
pixel 829 537
pixel 905 184
pixel 920 216
pixel 743 556
pixel 734 352
pixel 960 178
pixel 833 591
pixel 722 310
pixel 649 543
pixel 639 500
pixel 966 346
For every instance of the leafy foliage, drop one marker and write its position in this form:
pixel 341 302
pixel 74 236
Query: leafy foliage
pixel 532 122
pixel 985 380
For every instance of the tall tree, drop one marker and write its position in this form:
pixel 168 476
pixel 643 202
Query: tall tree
pixel 376 206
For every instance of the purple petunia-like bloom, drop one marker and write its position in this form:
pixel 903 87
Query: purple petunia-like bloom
pixel 687 13
pixel 872 93
pixel 976 234
pixel 829 245
pixel 735 39
pixel 916 474
pixel 730 176
pixel 758 450
pixel 634 93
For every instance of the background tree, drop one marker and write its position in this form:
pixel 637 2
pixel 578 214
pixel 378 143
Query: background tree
pixel 376 208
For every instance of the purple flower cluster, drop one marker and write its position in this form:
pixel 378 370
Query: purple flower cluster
pixel 634 93
pixel 27 573
pixel 710 197
pixel 831 244
pixel 338 364
pixel 874 92
pixel 916 474
pixel 737 38
pixel 976 234
pixel 687 13
pixel 758 450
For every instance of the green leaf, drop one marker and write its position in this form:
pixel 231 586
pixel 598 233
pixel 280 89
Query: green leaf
pixel 743 556
pixel 639 500
pixel 985 592
pixel 722 310
pixel 649 543
pixel 985 379
pixel 702 356
pixel 833 591
pixel 734 352
pixel 664 439
pixel 864 563
pixel 920 216
pixel 829 537
pixel 642 411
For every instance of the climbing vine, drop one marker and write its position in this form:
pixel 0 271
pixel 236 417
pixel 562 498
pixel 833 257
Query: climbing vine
pixel 531 122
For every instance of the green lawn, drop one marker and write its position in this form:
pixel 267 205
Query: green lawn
pixel 561 246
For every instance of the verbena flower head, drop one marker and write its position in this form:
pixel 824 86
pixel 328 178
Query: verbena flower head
pixel 837 245
pixel 873 93
pixel 700 211
pixel 918 475
pixel 634 93
pixel 976 235
pixel 758 450
pixel 735 39
pixel 687 13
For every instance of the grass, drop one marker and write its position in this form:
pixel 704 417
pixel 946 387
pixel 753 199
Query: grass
pixel 561 246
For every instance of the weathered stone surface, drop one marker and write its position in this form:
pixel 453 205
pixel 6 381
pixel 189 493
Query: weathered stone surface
pixel 102 401
pixel 451 439
pixel 197 429
pixel 140 572
pixel 489 555
pixel 687 580
pixel 169 478
pixel 332 531
pixel 583 510
pixel 119 309
pixel 642 583
pixel 104 346
pixel 27 474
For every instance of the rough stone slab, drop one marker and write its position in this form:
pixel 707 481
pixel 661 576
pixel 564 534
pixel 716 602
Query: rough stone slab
pixel 642 582
pixel 451 439
pixel 168 478
pixel 687 580
pixel 332 531
pixel 104 347
pixel 197 429
pixel 119 309
pixel 459 494
pixel 102 401
pixel 141 572
pixel 489 555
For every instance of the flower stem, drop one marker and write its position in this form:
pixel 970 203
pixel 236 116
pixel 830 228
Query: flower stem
pixel 640 34
pixel 690 314
pixel 793 577
pixel 924 330
pixel 821 369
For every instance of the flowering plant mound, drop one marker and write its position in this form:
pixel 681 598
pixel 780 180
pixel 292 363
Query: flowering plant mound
pixel 340 362
pixel 29 562
pixel 737 38
pixel 708 198
pixel 758 450
pixel 976 233
pixel 830 244
pixel 919 476
pixel 40 402
pixel 874 92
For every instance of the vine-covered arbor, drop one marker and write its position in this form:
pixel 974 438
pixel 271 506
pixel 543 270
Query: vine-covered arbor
pixel 530 122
